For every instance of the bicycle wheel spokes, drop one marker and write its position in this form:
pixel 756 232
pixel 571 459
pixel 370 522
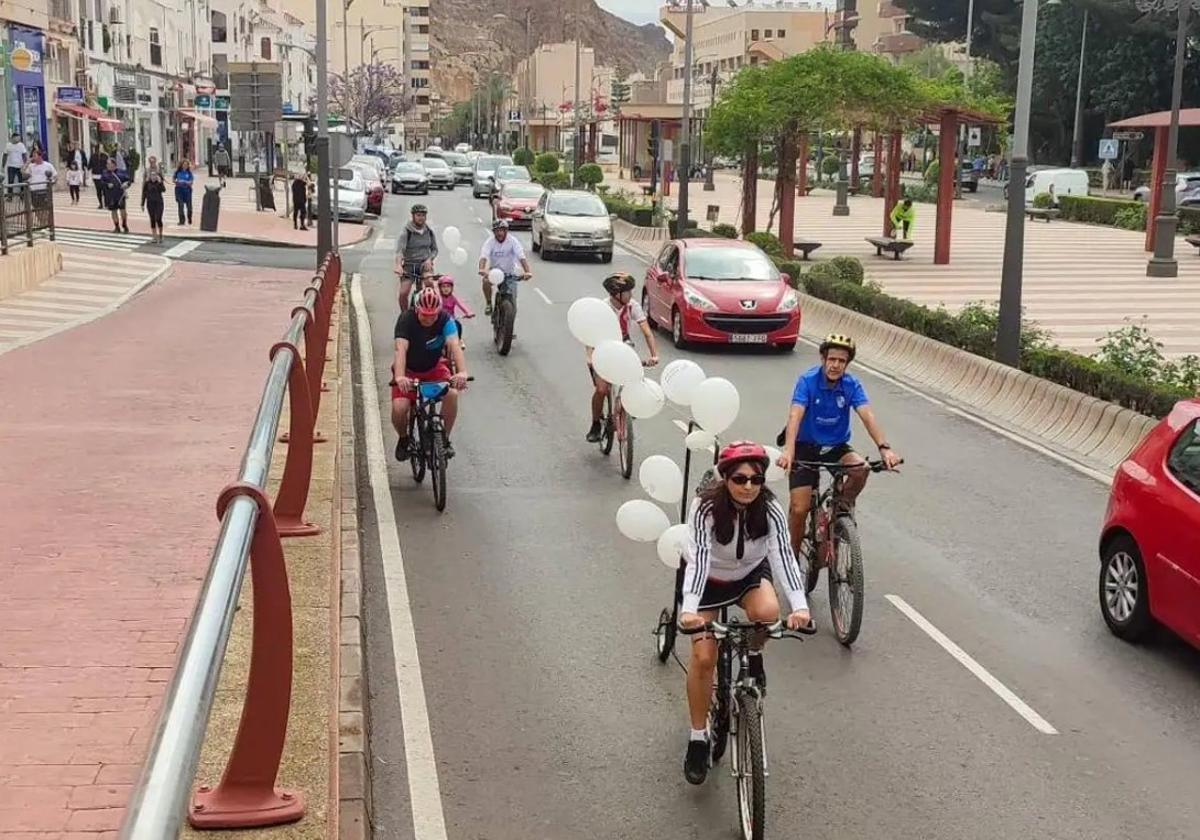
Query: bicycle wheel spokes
pixel 606 425
pixel 750 769
pixel 416 457
pixel 624 433
pixel 846 582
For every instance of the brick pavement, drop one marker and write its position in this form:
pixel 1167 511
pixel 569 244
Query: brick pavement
pixel 124 430
pixel 1080 281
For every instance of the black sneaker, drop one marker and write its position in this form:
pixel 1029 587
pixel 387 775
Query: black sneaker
pixel 593 434
pixel 449 450
pixel 487 311
pixel 757 672
pixel 695 763
pixel 402 450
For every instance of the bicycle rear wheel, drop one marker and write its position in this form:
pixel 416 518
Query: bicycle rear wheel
pixel 624 434
pixel 416 458
pixel 607 430
pixel 664 635
pixel 846 581
pixel 749 768
pixel 506 315
pixel 437 469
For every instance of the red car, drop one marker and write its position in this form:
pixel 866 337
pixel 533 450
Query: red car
pixel 721 291
pixel 1150 545
pixel 515 202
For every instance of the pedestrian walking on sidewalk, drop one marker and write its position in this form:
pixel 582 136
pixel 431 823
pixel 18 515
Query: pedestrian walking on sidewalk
pixel 1127 170
pixel 1106 173
pixel 15 157
pixel 115 184
pixel 222 162
pixel 153 188
pixel 74 181
pixel 99 165
pixel 299 201
pixel 184 178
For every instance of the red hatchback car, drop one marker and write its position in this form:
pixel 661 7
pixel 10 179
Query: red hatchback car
pixel 516 202
pixel 721 291
pixel 1150 545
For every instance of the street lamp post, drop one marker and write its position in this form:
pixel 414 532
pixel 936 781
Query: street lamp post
pixel 1077 138
pixel 1008 330
pixel 576 145
pixel 709 186
pixel 1163 263
pixel 326 224
pixel 685 128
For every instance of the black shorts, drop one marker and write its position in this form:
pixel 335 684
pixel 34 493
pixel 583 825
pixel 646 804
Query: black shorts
pixel 726 593
pixel 802 476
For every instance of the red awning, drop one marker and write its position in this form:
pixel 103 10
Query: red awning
pixel 1159 119
pixel 83 112
pixel 200 118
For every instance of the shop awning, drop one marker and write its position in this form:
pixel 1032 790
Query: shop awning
pixel 83 112
pixel 201 119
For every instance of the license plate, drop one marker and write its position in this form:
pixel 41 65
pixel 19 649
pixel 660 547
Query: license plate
pixel 748 338
pixel 581 243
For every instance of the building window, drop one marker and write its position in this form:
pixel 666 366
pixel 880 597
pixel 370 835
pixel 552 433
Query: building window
pixel 221 71
pixel 265 48
pixel 782 33
pixel 753 34
pixel 422 29
pixel 219 33
pixel 155 48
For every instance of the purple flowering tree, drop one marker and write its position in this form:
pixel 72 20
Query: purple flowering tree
pixel 371 96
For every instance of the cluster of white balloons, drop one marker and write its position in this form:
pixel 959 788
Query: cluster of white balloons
pixel 452 239
pixel 594 324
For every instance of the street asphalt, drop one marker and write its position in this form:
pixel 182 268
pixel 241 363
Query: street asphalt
pixel 550 717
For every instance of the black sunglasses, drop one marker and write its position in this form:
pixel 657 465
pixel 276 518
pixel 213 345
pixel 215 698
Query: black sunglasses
pixel 741 479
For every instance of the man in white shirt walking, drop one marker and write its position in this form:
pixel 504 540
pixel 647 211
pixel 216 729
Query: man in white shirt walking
pixel 15 155
pixel 505 253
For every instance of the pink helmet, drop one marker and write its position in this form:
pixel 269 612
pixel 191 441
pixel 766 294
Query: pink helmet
pixel 740 451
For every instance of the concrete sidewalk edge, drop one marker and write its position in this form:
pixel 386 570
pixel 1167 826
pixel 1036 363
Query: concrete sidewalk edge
pixel 354 788
pixel 262 242
pixel 99 313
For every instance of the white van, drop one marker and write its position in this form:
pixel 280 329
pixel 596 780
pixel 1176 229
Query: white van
pixel 1057 182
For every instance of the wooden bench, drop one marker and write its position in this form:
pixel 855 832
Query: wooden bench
pixel 805 247
pixel 895 247
pixel 1043 213
pixel 1193 240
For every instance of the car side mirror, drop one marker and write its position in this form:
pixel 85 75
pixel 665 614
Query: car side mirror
pixel 612 217
pixel 537 214
pixel 786 278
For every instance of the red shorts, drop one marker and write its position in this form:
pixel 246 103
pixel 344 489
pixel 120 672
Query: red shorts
pixel 438 373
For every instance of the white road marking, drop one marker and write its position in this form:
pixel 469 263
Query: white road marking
pixel 384 243
pixel 984 676
pixel 184 247
pixel 542 295
pixel 429 822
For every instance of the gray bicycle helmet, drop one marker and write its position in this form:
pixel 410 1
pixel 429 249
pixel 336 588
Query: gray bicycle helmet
pixel 419 208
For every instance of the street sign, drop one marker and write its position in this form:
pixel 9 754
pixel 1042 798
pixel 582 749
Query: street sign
pixel 1128 135
pixel 256 95
pixel 1110 149
pixel 514 116
pixel 72 95
pixel 974 136
pixel 203 100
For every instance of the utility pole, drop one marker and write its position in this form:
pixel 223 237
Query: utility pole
pixel 685 128
pixel 576 144
pixel 325 221
pixel 1077 139
pixel 526 100
pixel 962 129
pixel 709 186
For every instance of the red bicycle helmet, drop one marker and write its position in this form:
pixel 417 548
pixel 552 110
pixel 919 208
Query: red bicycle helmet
pixel 429 302
pixel 740 451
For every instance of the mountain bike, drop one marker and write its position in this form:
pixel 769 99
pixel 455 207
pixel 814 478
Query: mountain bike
pixel 504 312
pixel 427 438
pixel 832 541
pixel 735 712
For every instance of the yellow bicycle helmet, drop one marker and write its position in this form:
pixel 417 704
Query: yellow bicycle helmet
pixel 832 340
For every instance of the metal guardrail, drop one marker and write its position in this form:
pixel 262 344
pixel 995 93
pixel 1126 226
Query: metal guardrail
pixel 25 212
pixel 251 528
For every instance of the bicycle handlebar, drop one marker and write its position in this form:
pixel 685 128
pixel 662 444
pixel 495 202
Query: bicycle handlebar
pixel 776 629
pixel 873 466
pixel 393 381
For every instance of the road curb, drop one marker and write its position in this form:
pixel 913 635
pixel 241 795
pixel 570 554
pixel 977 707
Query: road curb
pixel 266 243
pixel 353 777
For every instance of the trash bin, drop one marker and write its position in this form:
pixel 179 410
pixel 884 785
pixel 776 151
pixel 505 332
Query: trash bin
pixel 210 208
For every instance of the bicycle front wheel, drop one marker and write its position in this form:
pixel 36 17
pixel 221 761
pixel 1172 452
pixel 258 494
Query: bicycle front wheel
pixel 607 425
pixel 437 469
pixel 416 458
pixel 750 768
pixel 506 316
pixel 846 581
pixel 624 425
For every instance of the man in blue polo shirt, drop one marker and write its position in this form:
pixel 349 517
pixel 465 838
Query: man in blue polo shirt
pixel 818 431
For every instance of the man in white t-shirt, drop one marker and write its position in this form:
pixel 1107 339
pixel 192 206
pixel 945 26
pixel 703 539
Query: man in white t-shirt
pixel 40 173
pixel 15 155
pixel 505 253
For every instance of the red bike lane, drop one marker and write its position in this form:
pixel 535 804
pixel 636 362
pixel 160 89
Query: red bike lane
pixel 115 438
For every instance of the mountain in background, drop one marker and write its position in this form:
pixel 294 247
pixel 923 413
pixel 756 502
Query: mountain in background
pixel 456 24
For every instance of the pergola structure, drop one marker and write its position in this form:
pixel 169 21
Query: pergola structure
pixel 1160 122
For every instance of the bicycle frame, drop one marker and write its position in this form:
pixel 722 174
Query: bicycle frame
pixel 428 408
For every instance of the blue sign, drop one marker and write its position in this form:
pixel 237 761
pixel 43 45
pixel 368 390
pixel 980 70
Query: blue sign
pixel 70 95
pixel 1110 149
pixel 289 108
pixel 203 100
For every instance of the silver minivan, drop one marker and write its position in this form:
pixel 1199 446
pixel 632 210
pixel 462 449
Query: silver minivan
pixel 572 222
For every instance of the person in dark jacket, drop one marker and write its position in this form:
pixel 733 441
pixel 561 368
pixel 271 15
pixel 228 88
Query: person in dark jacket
pixel 153 187
pixel 114 184
pixel 98 165
pixel 416 249
pixel 183 190
pixel 299 201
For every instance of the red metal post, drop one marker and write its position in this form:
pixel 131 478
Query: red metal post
pixel 750 188
pixel 892 185
pixel 297 469
pixel 945 203
pixel 802 166
pixel 877 170
pixel 787 193
pixel 1158 169
pixel 855 155
pixel 246 796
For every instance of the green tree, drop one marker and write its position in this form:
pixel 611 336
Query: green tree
pixel 590 174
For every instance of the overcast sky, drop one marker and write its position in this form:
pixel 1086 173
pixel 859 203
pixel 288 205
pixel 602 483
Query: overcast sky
pixel 638 11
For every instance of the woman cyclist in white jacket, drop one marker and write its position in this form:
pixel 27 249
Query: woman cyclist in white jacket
pixel 737 541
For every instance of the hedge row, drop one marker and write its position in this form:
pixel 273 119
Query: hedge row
pixel 1118 212
pixel 1078 372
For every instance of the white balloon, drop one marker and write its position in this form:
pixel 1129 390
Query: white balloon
pixel 700 440
pixel 459 256
pixel 774 471
pixel 593 321
pixel 679 379
pixel 643 399
pixel 617 362
pixel 715 404
pixel 451 237
pixel 641 521
pixel 661 478
pixel 670 545
pixel 496 276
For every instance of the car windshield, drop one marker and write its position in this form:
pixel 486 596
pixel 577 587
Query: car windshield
pixel 513 173
pixel 455 159
pixel 409 167
pixel 729 264
pixel 523 191
pixel 489 164
pixel 576 204
pixel 434 163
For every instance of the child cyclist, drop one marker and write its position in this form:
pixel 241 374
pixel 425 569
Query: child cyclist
pixel 451 304
pixel 620 297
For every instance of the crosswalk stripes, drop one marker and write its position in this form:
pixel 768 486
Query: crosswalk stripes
pixel 100 240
